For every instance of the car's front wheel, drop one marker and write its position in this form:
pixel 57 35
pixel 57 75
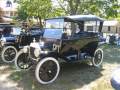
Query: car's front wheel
pixel 98 57
pixel 8 54
pixel 47 70
pixel 23 61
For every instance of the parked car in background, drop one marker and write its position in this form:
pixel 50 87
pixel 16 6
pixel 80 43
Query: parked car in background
pixel 12 39
pixel 115 79
pixel 6 33
pixel 61 41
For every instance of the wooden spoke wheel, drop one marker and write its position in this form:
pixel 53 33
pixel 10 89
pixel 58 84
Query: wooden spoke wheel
pixel 98 57
pixel 47 70
pixel 22 61
pixel 8 54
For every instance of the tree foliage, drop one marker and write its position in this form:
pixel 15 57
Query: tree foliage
pixel 42 9
pixel 22 15
pixel 37 8
pixel 103 8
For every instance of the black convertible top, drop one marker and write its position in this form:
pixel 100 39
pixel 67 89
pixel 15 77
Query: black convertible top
pixel 80 18
pixel 85 18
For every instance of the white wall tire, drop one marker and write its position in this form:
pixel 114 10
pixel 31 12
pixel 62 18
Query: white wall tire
pixel 98 57
pixel 19 63
pixel 40 65
pixel 8 54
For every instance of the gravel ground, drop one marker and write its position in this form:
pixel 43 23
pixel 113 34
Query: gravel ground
pixel 73 76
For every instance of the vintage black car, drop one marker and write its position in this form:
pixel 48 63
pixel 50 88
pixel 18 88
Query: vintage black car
pixel 12 39
pixel 64 38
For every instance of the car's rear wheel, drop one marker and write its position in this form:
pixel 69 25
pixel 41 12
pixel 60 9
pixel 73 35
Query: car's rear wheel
pixel 23 61
pixel 98 57
pixel 8 54
pixel 47 70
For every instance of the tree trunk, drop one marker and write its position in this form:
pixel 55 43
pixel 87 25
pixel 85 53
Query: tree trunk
pixel 1 20
pixel 1 15
pixel 40 22
pixel 73 11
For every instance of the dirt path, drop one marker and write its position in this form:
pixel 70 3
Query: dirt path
pixel 5 82
pixel 73 76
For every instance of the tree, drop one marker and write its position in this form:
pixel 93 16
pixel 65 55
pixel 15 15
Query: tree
pixel 22 15
pixel 38 8
pixel 104 8
pixel 69 6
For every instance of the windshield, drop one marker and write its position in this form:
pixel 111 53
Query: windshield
pixel 53 33
pixel 54 28
pixel 16 31
pixel 54 23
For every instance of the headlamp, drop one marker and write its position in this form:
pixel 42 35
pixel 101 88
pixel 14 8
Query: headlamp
pixel 37 52
pixel 25 49
pixel 3 41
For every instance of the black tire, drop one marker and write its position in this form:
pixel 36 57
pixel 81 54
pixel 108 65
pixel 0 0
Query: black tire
pixel 47 70
pixel 98 58
pixel 22 61
pixel 8 54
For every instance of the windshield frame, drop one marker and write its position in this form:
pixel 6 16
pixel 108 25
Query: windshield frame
pixel 60 20
pixel 54 34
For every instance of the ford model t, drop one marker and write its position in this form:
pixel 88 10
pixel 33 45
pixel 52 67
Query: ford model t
pixel 12 39
pixel 64 38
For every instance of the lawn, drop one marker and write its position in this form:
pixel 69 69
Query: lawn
pixel 73 76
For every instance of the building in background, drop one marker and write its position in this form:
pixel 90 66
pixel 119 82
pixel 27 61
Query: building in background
pixel 8 9
pixel 110 26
